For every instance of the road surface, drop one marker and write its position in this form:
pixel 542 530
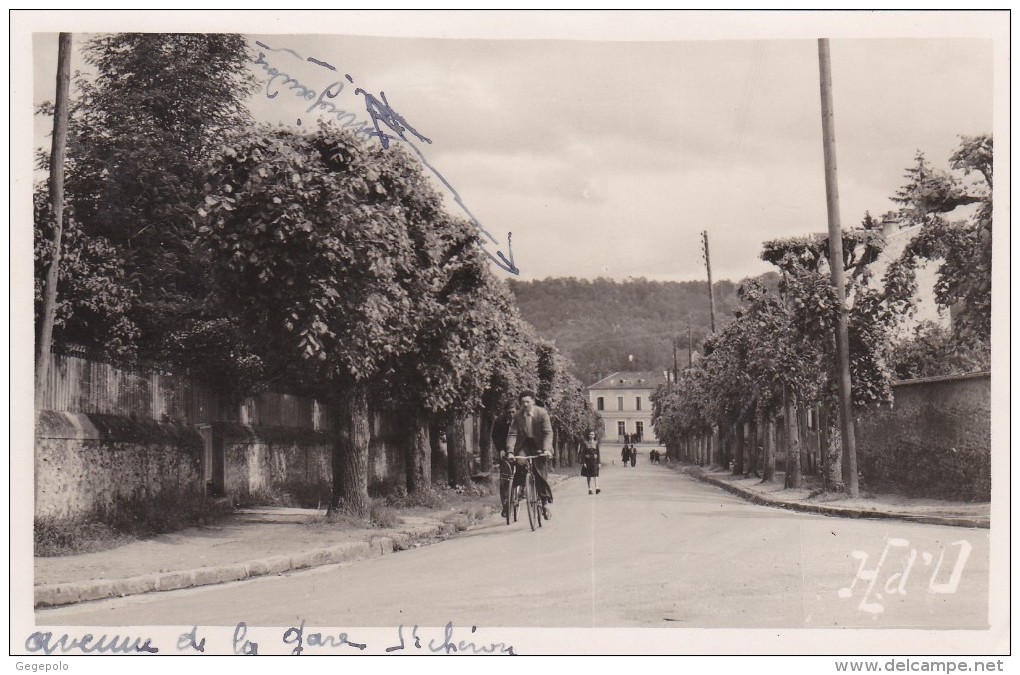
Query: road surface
pixel 655 549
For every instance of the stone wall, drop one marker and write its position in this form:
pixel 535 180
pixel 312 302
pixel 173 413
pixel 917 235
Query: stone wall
pixel 972 391
pixel 88 463
pixel 275 461
pixel 935 440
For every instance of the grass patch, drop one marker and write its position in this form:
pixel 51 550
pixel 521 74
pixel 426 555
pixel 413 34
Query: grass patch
pixel 295 493
pixel 380 516
pixel 384 516
pixel 124 521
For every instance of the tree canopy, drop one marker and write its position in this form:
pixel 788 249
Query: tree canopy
pixel 961 247
pixel 142 125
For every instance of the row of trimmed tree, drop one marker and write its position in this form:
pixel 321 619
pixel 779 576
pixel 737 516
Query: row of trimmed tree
pixel 765 370
pixel 259 258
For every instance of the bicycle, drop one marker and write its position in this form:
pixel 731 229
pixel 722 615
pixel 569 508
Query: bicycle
pixel 530 490
pixel 510 500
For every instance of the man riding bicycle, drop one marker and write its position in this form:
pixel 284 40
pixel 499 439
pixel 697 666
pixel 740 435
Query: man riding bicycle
pixel 531 435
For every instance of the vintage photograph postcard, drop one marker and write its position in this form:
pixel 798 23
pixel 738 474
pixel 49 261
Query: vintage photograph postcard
pixel 531 333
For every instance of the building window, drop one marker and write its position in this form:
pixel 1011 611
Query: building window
pixel 600 403
pixel 621 428
pixel 638 403
pixel 639 430
pixel 619 403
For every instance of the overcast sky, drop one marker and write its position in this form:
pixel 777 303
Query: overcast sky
pixel 609 158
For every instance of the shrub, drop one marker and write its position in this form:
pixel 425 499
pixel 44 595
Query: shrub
pixel 384 516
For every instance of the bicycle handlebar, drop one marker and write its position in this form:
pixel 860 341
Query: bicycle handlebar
pixel 520 458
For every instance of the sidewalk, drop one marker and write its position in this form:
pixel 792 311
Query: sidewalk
pixel 927 511
pixel 274 540
pixel 249 543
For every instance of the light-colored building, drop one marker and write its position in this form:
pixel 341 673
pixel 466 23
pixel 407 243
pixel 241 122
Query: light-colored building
pixel 926 309
pixel 624 401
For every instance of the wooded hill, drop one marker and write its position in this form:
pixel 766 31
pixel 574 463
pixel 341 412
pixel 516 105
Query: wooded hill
pixel 599 324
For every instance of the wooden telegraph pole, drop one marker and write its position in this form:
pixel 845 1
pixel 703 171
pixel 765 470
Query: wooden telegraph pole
pixel 690 343
pixel 57 152
pixel 846 419
pixel 676 371
pixel 708 267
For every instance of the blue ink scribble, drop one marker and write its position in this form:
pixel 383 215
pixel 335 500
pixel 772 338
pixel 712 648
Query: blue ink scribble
pixel 380 111
pixel 321 63
pixel 382 116
pixel 281 49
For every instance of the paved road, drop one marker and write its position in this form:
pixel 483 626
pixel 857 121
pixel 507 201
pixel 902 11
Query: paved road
pixel 655 549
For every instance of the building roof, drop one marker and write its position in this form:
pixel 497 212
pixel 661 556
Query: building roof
pixel 648 379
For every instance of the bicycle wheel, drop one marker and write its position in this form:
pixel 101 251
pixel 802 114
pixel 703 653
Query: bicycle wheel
pixel 532 498
pixel 516 492
pixel 508 500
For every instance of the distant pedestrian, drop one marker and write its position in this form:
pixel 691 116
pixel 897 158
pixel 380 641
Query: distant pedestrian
pixel 625 454
pixel 590 462
pixel 633 456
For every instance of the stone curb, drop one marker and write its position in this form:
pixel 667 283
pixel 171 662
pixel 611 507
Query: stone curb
pixel 842 512
pixel 70 593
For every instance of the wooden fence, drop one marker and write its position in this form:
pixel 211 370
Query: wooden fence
pixel 80 385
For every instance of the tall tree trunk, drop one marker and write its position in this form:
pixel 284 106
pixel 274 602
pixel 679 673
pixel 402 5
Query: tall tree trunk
pixel 419 453
pixel 807 456
pixel 738 450
pixel 557 450
pixel 793 468
pixel 456 444
pixel 350 451
pixel 719 441
pixel 768 472
pixel 476 439
pixel 485 457
pixel 823 444
pixel 753 444
pixel 832 447
pixel 440 449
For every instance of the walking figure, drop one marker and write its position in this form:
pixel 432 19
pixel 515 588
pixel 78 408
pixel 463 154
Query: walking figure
pixel 590 462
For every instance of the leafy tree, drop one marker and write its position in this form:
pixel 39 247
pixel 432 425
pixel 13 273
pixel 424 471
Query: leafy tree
pixel 324 246
pixel 140 132
pixel 564 397
pixel 514 370
pixel 962 247
pixel 809 294
pixel 771 361
pixel 445 374
pixel 95 301
pixel 933 351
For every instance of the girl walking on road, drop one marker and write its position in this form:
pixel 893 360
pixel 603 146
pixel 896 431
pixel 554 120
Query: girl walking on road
pixel 590 461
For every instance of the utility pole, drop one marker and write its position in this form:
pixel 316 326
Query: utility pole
pixel 676 372
pixel 57 152
pixel 846 419
pixel 690 343
pixel 708 267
